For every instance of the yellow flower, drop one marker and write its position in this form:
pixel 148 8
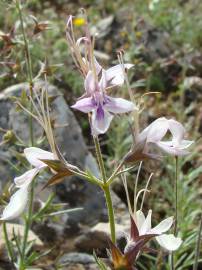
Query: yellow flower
pixel 79 21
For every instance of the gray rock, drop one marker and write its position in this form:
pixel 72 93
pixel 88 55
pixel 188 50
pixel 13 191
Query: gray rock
pixel 96 238
pixel 77 261
pixel 75 257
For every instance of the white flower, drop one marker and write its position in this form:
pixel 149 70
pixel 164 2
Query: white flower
pixel 26 178
pixel 155 132
pixel 17 204
pixel 34 156
pixel 167 241
pixel 177 146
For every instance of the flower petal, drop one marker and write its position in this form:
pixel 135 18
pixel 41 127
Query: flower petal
pixel 26 178
pixel 163 226
pixel 155 131
pixel 168 147
pixel 169 241
pixel 89 83
pixel 177 130
pixel 140 219
pixel 98 67
pixel 85 105
pixel 100 121
pixel 115 74
pixel 146 226
pixel 34 154
pixel 17 204
pixel 118 105
pixel 103 81
pixel 185 144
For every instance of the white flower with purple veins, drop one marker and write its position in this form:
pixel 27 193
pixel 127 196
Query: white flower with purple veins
pixel 102 106
pixel 167 241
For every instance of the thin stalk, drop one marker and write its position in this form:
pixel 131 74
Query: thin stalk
pixel 135 189
pixel 8 245
pixel 106 188
pixel 176 197
pixel 114 174
pixel 198 244
pixel 28 67
pixel 27 226
pixel 176 209
pixel 99 158
pixel 30 79
pixel 27 52
pixel 110 213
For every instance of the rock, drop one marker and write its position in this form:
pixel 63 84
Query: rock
pixel 76 192
pixel 77 261
pixel 192 90
pixel 19 230
pixel 97 237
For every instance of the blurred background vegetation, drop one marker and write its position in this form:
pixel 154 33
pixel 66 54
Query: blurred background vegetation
pixel 164 41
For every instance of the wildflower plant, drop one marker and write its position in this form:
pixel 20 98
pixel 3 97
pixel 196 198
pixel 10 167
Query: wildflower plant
pixel 100 107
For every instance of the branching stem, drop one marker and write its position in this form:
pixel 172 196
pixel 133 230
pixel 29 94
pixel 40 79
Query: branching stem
pixel 106 188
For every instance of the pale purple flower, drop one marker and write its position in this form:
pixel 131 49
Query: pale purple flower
pixel 177 146
pixel 155 132
pixel 102 106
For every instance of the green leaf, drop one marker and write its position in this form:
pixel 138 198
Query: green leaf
pixel 63 212
pixel 100 263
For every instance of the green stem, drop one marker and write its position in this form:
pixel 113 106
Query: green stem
pixel 8 245
pixel 27 52
pixel 176 197
pixel 28 67
pixel 176 209
pixel 27 227
pixel 110 213
pixel 106 188
pixel 197 252
pixel 99 158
